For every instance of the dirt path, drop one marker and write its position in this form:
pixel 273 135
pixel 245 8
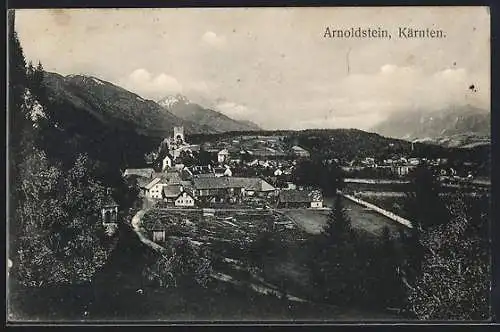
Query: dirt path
pixel 136 226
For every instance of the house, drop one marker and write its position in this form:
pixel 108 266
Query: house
pixel 218 189
pixel 171 177
pixel 258 187
pixel 278 172
pixel 171 191
pixel 142 172
pixel 228 172
pixel 300 199
pixel 167 162
pixel 196 170
pixel 184 199
pixel 219 171
pixel 222 171
pixel 300 152
pixel 230 188
pixel 154 188
pixel 222 156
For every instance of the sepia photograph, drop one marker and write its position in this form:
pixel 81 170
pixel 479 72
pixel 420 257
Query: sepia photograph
pixel 239 165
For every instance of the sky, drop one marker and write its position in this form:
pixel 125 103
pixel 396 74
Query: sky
pixel 273 66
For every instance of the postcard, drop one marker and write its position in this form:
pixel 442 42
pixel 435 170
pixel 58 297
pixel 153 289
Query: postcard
pixel 244 165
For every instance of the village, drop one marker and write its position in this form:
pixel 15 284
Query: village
pixel 248 174
pixel 228 176
pixel 253 171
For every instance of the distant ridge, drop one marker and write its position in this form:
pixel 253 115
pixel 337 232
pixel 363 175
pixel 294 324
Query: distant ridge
pixel 181 107
pixel 461 126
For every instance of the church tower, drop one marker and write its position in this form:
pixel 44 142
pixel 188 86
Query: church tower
pixel 179 134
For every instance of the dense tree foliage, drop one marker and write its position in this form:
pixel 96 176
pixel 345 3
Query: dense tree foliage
pixel 183 265
pixel 318 173
pixel 446 264
pixel 60 239
pixel 58 180
pixel 454 280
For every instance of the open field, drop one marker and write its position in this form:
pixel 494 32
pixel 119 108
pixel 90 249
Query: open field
pixel 363 219
pixel 234 239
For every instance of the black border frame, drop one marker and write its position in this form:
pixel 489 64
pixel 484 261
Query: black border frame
pixel 495 117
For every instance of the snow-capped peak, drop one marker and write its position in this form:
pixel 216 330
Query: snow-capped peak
pixel 170 101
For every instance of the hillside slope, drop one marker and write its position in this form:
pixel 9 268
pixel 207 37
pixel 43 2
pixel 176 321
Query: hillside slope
pixel 186 110
pixel 116 106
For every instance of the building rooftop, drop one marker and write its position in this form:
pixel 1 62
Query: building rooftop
pixel 172 190
pixel 297 148
pixel 171 177
pixel 143 172
pixel 255 184
pixel 153 183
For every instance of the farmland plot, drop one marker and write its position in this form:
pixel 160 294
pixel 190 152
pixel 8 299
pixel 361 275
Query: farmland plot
pixel 246 245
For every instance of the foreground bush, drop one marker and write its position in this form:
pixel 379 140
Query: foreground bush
pixel 183 265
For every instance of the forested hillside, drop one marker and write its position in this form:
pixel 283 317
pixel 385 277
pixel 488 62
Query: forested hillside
pixel 60 169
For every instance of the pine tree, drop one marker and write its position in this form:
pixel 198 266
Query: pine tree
pixel 338 226
pixel 335 260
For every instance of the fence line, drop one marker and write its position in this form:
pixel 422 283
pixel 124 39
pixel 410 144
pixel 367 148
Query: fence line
pixel 378 209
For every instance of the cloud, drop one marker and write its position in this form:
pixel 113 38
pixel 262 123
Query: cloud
pixel 212 39
pixel 146 84
pixel 398 88
pixel 234 110
pixel 363 100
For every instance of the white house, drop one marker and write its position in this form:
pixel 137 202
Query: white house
pixel 278 172
pixel 167 162
pixel 222 156
pixel 154 189
pixel 228 172
pixel 184 199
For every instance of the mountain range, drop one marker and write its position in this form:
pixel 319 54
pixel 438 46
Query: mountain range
pixel 181 107
pixel 118 107
pixel 459 126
